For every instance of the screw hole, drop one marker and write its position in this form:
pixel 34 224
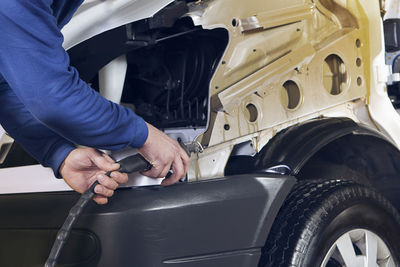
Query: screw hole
pixel 358 43
pixel 359 81
pixel 234 23
pixel 227 127
pixel 358 62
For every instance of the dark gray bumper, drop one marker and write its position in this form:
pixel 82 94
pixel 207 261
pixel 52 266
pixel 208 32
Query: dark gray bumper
pixel 219 222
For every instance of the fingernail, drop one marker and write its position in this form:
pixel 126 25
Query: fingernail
pixel 98 189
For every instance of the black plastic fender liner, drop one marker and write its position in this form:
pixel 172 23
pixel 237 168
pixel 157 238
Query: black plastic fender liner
pixel 218 222
pixel 392 33
pixel 295 145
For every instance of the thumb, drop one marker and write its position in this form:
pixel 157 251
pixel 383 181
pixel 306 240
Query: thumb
pixel 104 164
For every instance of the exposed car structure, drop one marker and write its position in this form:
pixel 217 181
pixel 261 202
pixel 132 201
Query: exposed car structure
pixel 298 161
pixel 391 27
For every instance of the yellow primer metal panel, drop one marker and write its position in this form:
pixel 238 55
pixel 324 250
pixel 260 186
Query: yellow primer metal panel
pixel 323 49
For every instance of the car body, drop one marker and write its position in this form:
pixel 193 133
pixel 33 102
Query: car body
pixel 271 92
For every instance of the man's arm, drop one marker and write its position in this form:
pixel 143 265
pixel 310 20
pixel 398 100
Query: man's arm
pixel 79 167
pixel 34 63
pixel 43 144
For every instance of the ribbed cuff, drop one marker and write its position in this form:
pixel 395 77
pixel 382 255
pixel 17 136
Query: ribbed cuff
pixel 141 133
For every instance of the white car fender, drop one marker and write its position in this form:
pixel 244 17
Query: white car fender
pixel 97 16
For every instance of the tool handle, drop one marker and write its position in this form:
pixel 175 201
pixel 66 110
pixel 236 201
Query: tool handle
pixel 135 163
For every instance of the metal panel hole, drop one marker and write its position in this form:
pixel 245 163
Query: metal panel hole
pixel 251 113
pixel 359 81
pixel 358 43
pixel 291 95
pixel 234 22
pixel 335 75
pixel 358 62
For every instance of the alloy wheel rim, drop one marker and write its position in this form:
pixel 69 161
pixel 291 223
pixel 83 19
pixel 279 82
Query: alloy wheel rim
pixel 359 248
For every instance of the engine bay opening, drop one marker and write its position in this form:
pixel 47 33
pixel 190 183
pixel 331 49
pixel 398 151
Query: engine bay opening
pixel 169 69
pixel 168 83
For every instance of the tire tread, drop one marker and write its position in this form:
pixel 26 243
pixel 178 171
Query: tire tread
pixel 296 222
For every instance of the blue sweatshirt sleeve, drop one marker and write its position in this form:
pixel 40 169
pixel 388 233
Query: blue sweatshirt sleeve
pixel 35 65
pixel 43 144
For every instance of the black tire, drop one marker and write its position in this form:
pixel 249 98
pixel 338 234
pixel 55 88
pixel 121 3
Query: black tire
pixel 316 214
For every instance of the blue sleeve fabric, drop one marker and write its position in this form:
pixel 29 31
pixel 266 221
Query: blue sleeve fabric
pixel 36 67
pixel 46 146
pixel 63 10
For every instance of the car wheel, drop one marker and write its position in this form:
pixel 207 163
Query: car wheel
pixel 334 223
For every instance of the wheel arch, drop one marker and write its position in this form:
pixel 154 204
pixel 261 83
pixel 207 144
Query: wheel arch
pixel 329 148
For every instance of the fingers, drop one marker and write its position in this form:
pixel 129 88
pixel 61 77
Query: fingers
pixel 178 172
pixel 179 165
pixel 120 178
pixel 104 162
pixel 185 161
pixel 108 158
pixel 107 186
pixel 100 200
pixel 107 181
pixel 163 152
pixel 165 171
pixel 158 170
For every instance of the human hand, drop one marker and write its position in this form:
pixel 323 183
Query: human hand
pixel 83 166
pixel 163 153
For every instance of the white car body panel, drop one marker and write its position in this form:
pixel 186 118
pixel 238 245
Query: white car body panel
pixel 381 110
pixel 2 132
pixel 96 16
pixel 392 8
pixel 29 179
pixel 36 178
